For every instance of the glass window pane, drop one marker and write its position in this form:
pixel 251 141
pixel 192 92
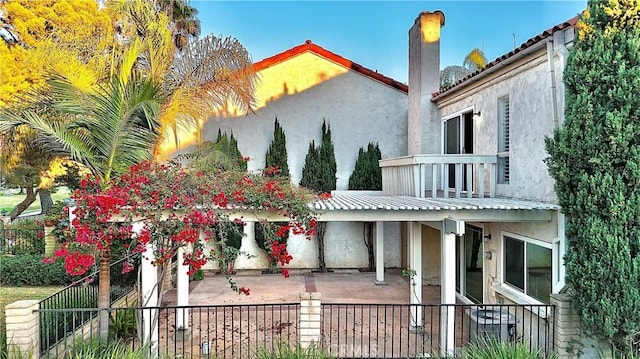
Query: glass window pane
pixel 538 272
pixel 514 262
pixel 473 263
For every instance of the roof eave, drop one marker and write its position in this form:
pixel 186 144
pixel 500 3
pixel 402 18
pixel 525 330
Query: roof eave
pixel 497 67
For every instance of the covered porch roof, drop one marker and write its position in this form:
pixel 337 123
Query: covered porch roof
pixel 368 206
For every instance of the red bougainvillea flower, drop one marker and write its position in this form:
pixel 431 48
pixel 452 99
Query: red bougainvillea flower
pixel 127 267
pixel 78 263
pixel 180 209
pixel 243 290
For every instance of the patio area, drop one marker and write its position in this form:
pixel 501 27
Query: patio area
pixel 340 286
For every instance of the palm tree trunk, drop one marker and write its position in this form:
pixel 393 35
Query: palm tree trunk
pixel 104 292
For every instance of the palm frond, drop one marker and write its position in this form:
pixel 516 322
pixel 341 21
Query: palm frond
pixel 221 68
pixel 475 60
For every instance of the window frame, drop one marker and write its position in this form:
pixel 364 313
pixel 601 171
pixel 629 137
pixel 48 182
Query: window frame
pixel 525 240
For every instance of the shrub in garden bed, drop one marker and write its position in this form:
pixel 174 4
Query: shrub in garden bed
pixel 490 348
pixel 30 270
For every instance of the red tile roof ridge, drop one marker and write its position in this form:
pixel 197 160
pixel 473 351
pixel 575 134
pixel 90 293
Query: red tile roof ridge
pixel 310 46
pixel 527 44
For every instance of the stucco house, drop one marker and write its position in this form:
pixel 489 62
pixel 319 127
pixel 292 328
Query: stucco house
pixel 467 201
pixel 302 87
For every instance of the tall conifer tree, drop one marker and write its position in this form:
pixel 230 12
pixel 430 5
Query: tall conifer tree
pixel 319 174
pixel 595 160
pixel 367 175
pixel 277 152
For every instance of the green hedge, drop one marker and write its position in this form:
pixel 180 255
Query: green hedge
pixel 29 270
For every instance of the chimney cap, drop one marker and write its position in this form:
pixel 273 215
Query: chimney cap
pixel 437 13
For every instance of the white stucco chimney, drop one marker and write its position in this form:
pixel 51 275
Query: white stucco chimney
pixel 424 79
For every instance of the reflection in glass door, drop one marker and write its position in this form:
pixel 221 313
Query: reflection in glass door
pixel 458 139
pixel 469 280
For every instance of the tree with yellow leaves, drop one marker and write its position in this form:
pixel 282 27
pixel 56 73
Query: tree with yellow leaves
pixel 36 37
pixel 138 48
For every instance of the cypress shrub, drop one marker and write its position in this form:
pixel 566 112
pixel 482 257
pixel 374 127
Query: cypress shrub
pixel 277 151
pixel 595 160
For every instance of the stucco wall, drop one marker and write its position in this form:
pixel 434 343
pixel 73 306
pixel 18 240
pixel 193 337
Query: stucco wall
pixel 344 248
pixel 431 257
pixel 531 120
pixel 359 110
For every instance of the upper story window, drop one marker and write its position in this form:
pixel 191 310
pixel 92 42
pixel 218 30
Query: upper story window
pixel 527 266
pixel 503 140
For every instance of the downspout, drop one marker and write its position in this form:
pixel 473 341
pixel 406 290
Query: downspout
pixel 552 76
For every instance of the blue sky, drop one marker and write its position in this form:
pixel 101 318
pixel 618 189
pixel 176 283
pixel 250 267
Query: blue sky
pixel 374 33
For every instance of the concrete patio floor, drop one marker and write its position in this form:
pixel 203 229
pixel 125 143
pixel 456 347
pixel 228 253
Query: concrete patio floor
pixel 340 286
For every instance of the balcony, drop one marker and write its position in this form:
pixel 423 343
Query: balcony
pixel 440 176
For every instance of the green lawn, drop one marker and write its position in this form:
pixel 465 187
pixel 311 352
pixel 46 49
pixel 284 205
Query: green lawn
pixel 8 202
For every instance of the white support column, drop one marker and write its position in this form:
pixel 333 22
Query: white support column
pixel 149 289
pixel 415 263
pixel 182 291
pixel 380 253
pixel 450 228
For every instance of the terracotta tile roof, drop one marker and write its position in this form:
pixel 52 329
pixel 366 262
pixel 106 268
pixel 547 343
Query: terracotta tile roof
pixel 527 44
pixel 309 46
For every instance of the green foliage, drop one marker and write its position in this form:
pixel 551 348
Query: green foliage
pixel 285 351
pixel 367 174
pixel 223 153
pixel 23 238
pixel 29 270
pixel 277 152
pixel 261 235
pixel 629 353
pixel 595 160
pixel 319 171
pixel 489 348
pixel 123 324
pixel 198 275
pixel 105 350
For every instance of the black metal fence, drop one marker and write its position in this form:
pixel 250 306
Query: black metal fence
pixel 392 330
pixel 346 330
pixel 21 240
pixel 62 311
pixel 226 331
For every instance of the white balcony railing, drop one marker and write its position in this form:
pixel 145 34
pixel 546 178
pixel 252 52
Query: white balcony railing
pixel 440 176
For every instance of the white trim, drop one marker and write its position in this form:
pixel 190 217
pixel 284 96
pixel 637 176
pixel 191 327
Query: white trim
pixel 558 252
pixel 535 241
pixel 457 113
pixel 446 118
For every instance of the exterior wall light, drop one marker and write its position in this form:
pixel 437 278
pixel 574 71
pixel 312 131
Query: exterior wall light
pixel 476 115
